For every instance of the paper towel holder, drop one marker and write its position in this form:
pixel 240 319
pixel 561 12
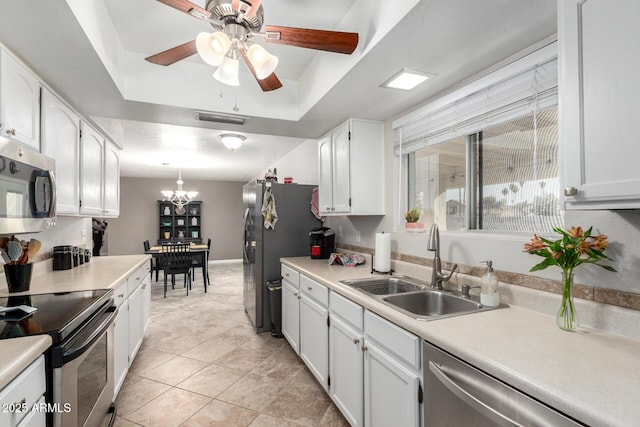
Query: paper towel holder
pixel 373 270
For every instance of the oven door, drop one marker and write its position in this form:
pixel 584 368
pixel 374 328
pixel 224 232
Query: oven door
pixel 83 374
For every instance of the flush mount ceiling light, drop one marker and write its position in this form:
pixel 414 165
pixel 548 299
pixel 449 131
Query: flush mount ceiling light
pixel 180 198
pixel 232 141
pixel 406 79
pixel 236 23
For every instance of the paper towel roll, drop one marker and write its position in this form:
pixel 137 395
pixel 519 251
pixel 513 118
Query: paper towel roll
pixel 382 257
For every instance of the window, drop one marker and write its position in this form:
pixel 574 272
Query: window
pixel 485 156
pixel 513 170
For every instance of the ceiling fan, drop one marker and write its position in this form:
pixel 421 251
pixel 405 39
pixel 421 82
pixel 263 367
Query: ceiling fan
pixel 236 23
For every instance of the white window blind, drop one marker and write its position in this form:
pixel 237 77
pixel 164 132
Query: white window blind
pixel 515 90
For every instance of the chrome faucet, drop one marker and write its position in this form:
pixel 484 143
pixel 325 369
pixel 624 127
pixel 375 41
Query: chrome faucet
pixel 436 272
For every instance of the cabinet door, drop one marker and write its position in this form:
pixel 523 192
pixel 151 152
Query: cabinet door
pixel 146 303
pixel 390 391
pixel 111 180
pixel 314 338
pixel 599 102
pixel 291 315
pixel 325 167
pixel 19 102
pixel 91 171
pixel 135 322
pixel 346 370
pixel 341 170
pixel 61 141
pixel 120 348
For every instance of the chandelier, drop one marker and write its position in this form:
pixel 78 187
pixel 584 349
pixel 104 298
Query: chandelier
pixel 179 197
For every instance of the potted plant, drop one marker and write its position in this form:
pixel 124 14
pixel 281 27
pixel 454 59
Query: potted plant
pixel 413 216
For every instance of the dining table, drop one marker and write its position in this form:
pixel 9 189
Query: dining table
pixel 198 253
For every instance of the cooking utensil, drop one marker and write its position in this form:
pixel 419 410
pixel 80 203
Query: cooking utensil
pixel 33 248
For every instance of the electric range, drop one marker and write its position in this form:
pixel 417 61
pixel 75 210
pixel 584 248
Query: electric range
pixel 79 364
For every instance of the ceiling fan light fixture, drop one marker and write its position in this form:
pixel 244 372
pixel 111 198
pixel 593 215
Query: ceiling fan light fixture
pixel 262 61
pixel 227 72
pixel 212 47
pixel 232 141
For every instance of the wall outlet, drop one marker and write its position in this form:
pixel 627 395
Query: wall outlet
pixel 358 236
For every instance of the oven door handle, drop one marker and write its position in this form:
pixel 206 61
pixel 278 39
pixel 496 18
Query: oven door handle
pixel 77 350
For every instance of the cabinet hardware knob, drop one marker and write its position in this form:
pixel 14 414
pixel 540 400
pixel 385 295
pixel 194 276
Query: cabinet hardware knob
pixel 356 341
pixel 286 274
pixel 309 288
pixel 364 348
pixel 11 132
pixel 295 294
pixel 20 406
pixel 299 297
pixel 570 191
pixel 120 295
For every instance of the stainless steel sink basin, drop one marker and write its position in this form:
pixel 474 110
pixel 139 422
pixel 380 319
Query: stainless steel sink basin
pixel 433 303
pixel 416 298
pixel 386 285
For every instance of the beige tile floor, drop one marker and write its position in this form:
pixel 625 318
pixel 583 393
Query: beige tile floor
pixel 202 364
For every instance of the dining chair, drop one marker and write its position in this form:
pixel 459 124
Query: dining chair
pixel 176 259
pixel 153 262
pixel 197 262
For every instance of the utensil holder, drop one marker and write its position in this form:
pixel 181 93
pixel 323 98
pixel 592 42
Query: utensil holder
pixel 18 276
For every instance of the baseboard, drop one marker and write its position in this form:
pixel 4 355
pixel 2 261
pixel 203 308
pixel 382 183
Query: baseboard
pixel 225 261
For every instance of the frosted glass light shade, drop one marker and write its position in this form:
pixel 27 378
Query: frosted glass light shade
pixel 192 194
pixel 227 72
pixel 232 141
pixel 167 193
pixel 212 47
pixel 262 61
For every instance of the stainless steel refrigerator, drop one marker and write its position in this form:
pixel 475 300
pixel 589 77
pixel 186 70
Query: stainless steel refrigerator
pixel 263 248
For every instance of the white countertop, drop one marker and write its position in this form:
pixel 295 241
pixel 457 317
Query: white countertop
pixel 101 273
pixel 590 375
pixel 16 354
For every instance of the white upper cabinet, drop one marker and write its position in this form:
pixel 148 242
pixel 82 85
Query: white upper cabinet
pixel 111 180
pixel 19 103
pixel 61 141
pixel 599 92
pixel 351 166
pixel 91 171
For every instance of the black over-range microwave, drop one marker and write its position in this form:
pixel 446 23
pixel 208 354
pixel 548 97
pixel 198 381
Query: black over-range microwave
pixel 27 189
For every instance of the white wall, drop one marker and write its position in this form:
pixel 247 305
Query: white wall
pixel 67 231
pixel 301 164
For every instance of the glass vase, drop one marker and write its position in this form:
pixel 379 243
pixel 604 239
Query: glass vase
pixel 567 317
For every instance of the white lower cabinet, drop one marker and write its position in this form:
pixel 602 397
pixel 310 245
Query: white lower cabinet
pixel 314 333
pixel 346 369
pixel 291 307
pixel 133 299
pixel 19 396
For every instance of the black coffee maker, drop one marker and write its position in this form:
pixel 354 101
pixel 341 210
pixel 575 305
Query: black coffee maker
pixel 323 242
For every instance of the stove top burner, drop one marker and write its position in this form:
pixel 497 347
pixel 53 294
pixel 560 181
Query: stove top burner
pixel 58 315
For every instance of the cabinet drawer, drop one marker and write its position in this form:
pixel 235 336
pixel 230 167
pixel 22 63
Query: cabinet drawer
pixel 404 346
pixel 290 275
pixel 134 280
pixel 315 290
pixel 36 418
pixel 347 310
pixel 25 390
pixel 145 270
pixel 120 293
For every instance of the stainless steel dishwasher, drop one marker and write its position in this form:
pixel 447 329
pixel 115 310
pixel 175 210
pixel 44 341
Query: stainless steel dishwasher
pixel 457 394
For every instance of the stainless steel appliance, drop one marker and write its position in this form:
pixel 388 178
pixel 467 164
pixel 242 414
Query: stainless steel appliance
pixel 79 364
pixel 263 248
pixel 458 394
pixel 27 189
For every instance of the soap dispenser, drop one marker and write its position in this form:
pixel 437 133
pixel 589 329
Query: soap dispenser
pixel 489 295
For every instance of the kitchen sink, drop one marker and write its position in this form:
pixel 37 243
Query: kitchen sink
pixel 386 285
pixel 416 298
pixel 433 303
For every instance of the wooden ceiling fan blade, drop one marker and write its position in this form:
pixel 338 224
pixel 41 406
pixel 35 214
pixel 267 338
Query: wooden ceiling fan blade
pixel 175 54
pixel 331 41
pixel 269 83
pixel 187 7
